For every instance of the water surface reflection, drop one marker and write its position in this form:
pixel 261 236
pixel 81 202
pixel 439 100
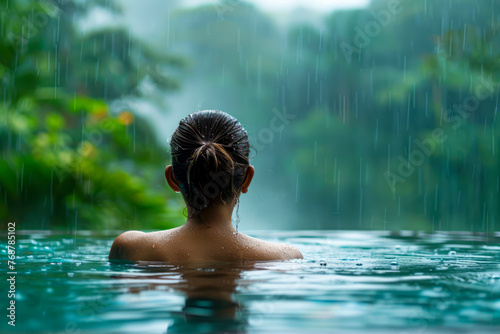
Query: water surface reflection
pixel 209 291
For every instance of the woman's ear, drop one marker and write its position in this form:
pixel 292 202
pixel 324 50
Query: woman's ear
pixel 248 179
pixel 172 182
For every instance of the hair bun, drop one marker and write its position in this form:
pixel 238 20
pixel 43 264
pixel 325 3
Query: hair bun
pixel 210 152
pixel 207 144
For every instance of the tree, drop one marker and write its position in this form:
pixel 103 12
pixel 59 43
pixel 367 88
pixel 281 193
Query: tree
pixel 67 159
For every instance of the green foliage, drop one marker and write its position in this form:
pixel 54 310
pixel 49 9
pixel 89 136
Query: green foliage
pixel 352 148
pixel 68 161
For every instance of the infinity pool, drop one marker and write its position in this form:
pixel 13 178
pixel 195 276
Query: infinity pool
pixel 348 282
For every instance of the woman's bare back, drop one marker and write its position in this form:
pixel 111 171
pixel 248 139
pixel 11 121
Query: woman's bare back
pixel 184 245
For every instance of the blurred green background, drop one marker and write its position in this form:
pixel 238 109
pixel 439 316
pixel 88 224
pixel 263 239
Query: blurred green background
pixel 381 116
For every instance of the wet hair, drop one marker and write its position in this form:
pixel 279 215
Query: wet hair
pixel 210 157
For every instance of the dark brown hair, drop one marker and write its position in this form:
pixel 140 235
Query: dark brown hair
pixel 210 157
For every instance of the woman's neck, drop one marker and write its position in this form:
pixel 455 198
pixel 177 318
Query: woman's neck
pixel 216 216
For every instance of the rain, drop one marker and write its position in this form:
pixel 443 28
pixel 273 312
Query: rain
pixel 372 129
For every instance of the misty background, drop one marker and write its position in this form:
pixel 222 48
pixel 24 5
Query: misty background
pixel 363 115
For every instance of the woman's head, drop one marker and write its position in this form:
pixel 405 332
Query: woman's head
pixel 210 158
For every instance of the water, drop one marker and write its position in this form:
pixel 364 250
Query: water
pixel 348 282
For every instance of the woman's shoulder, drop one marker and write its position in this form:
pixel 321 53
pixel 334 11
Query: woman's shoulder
pixel 267 250
pixel 135 245
pixel 125 245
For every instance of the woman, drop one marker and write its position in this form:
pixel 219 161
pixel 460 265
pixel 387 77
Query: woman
pixel 210 168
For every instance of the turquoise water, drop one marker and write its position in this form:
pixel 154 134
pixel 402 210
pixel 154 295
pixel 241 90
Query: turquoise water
pixel 348 282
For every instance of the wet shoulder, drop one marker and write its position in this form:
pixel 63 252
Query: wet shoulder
pixel 266 250
pixel 127 246
pixel 141 246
